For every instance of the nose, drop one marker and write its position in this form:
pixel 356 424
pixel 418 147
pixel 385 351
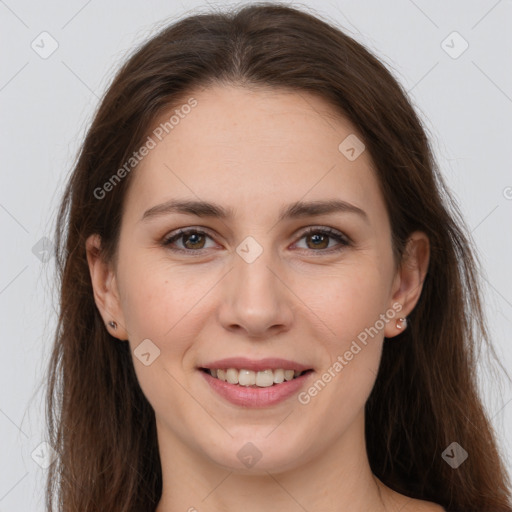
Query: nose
pixel 255 298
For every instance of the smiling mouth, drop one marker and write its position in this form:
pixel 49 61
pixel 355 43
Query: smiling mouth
pixel 249 378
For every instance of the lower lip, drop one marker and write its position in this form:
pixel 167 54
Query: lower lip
pixel 256 397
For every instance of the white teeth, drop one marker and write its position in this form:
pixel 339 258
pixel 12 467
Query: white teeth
pixel 278 376
pixel 288 374
pixel 232 376
pixel 246 378
pixel 263 379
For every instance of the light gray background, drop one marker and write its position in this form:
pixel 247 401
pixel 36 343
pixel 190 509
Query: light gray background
pixel 46 105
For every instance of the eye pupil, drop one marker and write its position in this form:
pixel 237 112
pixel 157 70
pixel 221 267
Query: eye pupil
pixel 319 238
pixel 195 236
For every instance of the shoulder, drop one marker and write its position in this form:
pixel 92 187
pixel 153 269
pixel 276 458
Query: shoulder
pixel 403 503
pixel 412 505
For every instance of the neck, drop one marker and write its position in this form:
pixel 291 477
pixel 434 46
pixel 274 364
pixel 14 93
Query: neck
pixel 338 479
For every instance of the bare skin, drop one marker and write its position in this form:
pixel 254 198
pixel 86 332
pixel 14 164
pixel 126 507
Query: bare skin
pixel 305 298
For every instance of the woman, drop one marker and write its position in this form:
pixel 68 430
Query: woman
pixel 267 299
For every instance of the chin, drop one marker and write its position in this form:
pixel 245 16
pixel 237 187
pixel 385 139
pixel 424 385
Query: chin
pixel 257 455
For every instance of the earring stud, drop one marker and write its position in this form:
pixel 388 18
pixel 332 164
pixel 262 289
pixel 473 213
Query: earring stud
pixel 113 324
pixel 401 323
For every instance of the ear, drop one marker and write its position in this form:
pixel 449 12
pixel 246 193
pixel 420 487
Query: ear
pixel 105 290
pixel 408 282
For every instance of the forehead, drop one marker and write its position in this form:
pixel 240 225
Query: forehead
pixel 254 147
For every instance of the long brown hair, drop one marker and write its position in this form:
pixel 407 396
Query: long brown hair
pixel 425 396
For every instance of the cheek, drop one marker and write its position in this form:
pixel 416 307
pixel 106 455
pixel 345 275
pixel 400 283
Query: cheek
pixel 159 300
pixel 348 301
pixel 350 304
pixel 162 305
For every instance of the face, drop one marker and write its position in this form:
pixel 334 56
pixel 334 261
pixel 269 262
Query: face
pixel 315 286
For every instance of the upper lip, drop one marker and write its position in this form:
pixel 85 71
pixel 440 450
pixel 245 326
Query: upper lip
pixel 269 363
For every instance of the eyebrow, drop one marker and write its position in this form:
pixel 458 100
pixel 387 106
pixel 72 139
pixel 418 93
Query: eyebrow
pixel 298 209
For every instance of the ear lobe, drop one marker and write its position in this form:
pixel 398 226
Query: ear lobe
pixel 106 295
pixel 409 280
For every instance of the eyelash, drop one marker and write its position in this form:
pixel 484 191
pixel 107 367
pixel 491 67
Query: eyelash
pixel 343 240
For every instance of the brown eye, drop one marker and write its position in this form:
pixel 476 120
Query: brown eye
pixel 318 240
pixel 194 241
pixel 191 240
